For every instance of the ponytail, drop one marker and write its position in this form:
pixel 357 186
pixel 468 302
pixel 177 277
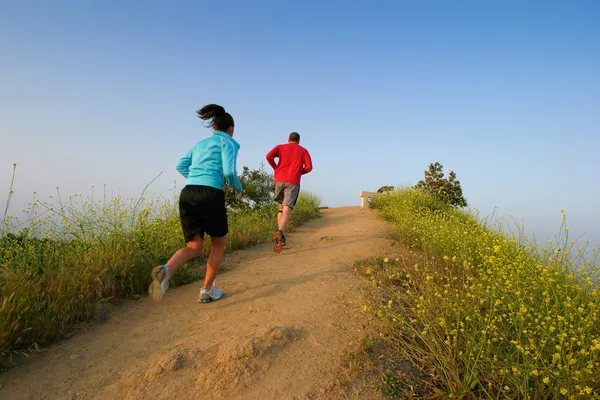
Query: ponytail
pixel 219 119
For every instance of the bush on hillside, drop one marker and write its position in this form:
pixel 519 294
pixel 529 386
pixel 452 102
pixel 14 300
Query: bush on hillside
pixel 488 314
pixel 447 190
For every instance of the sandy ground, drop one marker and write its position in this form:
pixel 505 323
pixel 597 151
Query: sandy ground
pixel 280 331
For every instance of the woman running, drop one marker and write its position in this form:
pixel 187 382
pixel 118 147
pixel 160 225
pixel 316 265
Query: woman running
pixel 202 202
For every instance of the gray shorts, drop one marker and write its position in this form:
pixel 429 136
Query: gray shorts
pixel 286 194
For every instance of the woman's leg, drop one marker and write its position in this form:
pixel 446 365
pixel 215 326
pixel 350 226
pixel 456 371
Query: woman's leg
pixel 214 260
pixel 208 292
pixel 161 275
pixel 192 249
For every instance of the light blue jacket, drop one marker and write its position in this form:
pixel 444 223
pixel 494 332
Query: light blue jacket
pixel 211 161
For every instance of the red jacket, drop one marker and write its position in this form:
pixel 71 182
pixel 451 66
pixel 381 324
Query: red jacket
pixel 294 161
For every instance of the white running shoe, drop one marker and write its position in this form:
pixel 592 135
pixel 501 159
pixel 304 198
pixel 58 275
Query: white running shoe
pixel 160 282
pixel 210 295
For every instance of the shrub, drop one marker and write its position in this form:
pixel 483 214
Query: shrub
pixel 447 190
pixel 487 313
pixel 258 190
pixel 385 189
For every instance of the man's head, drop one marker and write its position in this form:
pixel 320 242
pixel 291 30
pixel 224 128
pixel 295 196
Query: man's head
pixel 294 137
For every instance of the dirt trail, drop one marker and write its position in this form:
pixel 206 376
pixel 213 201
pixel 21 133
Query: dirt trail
pixel 280 332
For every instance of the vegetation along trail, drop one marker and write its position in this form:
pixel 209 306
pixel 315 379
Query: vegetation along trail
pixel 280 332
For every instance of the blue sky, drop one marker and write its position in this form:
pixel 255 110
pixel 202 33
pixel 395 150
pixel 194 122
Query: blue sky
pixel 506 94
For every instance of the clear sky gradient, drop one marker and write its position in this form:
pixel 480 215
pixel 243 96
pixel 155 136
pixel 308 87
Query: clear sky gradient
pixel 506 94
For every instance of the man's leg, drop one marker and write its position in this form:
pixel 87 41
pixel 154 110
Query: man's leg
pixel 285 217
pixel 287 205
pixel 279 238
pixel 279 215
pixel 289 202
pixel 279 197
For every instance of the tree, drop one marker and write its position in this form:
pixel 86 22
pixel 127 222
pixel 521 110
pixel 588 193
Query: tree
pixel 257 190
pixel 447 190
pixel 385 189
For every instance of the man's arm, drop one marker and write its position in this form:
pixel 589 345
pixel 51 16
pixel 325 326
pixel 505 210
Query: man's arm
pixel 183 166
pixel 307 163
pixel 272 155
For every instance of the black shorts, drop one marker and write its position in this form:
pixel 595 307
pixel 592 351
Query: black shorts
pixel 202 210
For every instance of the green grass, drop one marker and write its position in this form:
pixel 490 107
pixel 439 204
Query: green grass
pixel 486 313
pixel 71 256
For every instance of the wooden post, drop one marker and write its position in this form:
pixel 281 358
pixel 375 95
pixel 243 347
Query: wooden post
pixel 364 198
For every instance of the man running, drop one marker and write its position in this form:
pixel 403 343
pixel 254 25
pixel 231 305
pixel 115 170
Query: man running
pixel 294 161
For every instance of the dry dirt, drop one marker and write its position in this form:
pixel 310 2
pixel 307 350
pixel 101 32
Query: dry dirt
pixel 280 332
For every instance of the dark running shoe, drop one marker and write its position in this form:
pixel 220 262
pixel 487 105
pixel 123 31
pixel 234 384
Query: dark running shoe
pixel 282 238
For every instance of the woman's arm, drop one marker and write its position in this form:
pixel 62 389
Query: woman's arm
pixel 229 156
pixel 184 164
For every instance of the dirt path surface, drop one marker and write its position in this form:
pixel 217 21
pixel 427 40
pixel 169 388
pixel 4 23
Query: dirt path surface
pixel 280 331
